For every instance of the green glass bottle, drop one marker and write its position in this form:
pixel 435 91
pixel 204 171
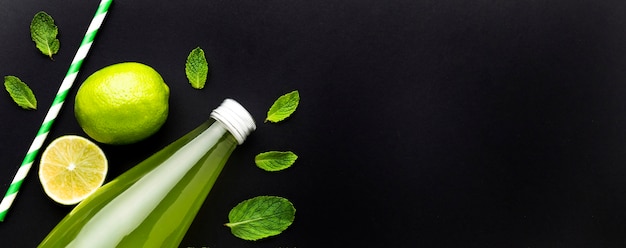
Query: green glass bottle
pixel 154 203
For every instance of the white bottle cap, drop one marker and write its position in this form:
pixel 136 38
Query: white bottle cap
pixel 235 118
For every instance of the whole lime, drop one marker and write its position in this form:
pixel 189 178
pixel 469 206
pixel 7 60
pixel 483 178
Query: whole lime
pixel 122 103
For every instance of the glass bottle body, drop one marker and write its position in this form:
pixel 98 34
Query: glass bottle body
pixel 153 203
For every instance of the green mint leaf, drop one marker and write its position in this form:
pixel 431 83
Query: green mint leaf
pixel 44 33
pixel 20 92
pixel 283 107
pixel 261 217
pixel 197 68
pixel 275 160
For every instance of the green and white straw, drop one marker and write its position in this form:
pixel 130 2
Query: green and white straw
pixel 57 103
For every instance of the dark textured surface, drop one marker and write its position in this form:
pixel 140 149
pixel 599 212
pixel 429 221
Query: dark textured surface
pixel 422 123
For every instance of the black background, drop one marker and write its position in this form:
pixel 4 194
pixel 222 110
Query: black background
pixel 423 123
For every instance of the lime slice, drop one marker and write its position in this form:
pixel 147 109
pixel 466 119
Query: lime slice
pixel 71 169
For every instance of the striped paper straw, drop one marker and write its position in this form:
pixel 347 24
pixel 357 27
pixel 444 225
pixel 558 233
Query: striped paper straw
pixel 57 103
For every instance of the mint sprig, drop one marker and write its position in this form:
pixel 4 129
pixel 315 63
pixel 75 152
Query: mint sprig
pixel 261 217
pixel 20 92
pixel 197 68
pixel 275 160
pixel 44 33
pixel 283 107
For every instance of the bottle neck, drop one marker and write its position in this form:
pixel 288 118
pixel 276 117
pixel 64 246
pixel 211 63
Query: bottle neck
pixel 235 118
